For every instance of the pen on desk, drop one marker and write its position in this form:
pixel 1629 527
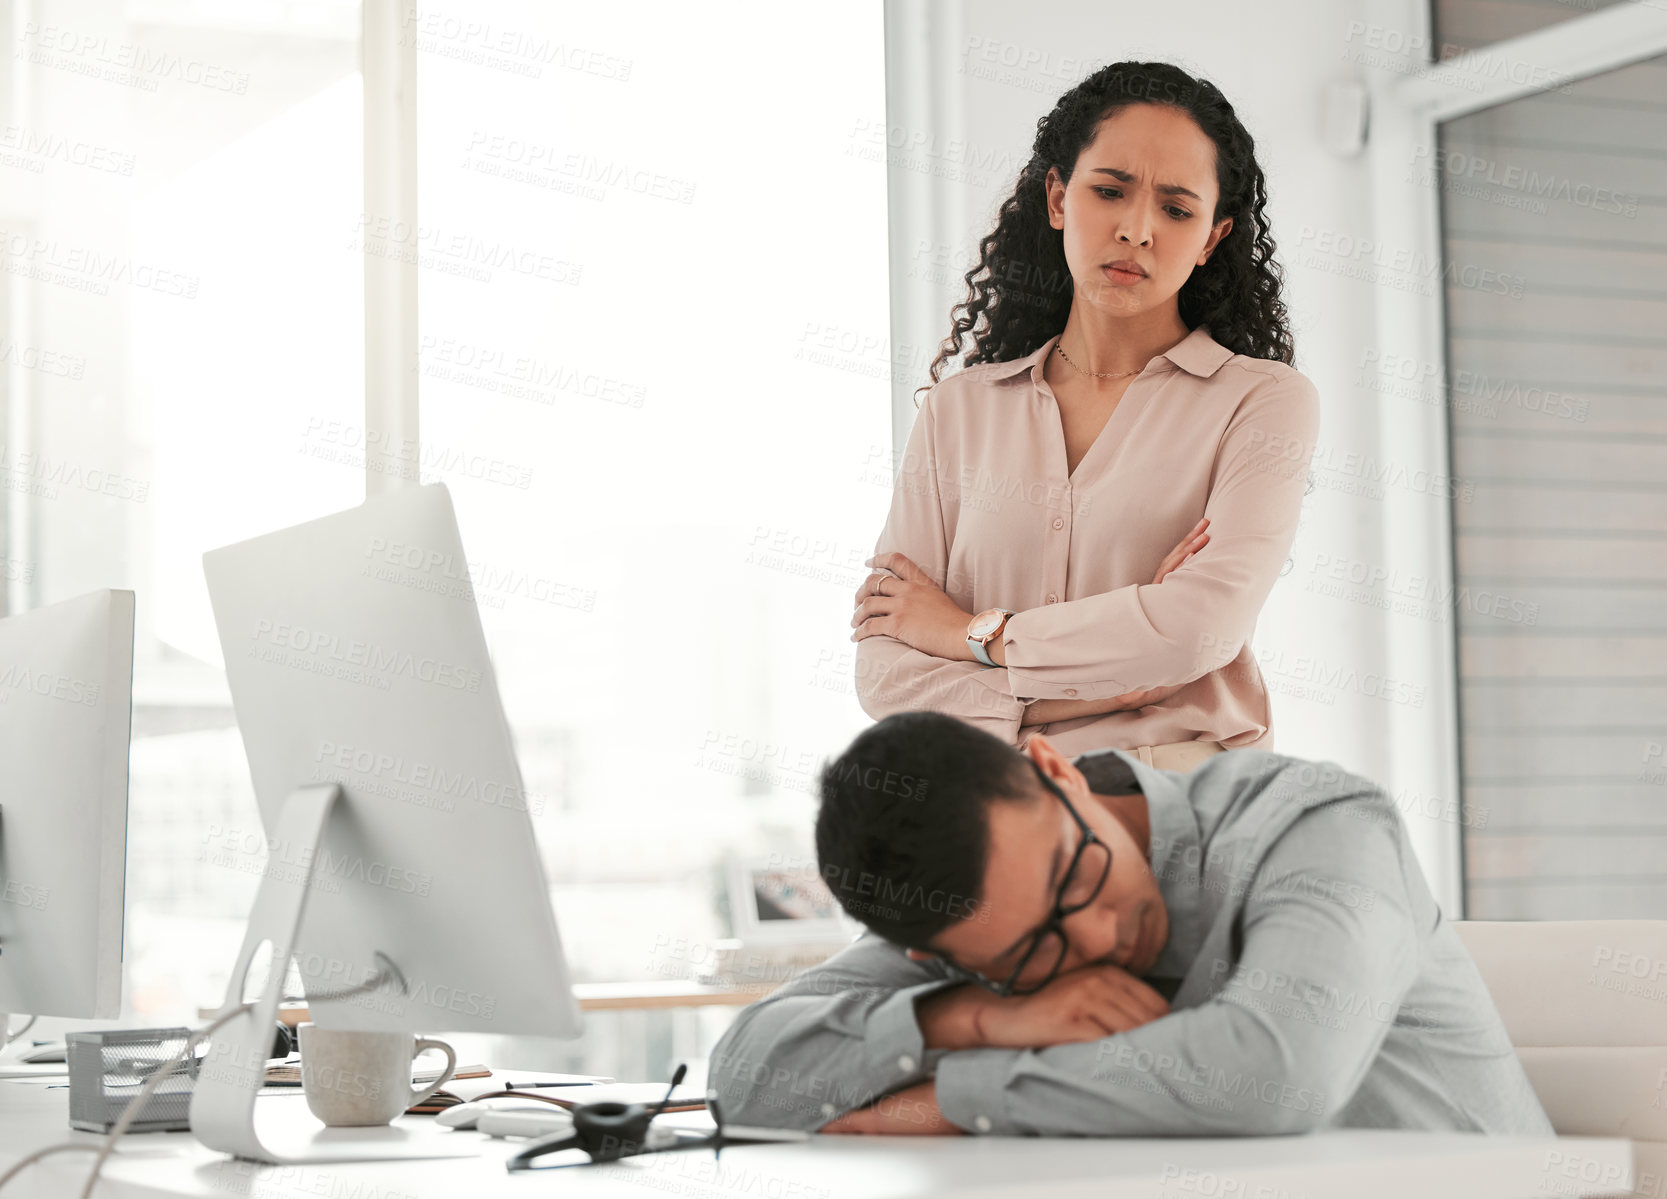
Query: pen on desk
pixel 527 1086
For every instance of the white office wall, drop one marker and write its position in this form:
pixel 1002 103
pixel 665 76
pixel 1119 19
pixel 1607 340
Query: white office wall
pixel 966 85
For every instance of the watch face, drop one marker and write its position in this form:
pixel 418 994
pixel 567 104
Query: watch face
pixel 985 622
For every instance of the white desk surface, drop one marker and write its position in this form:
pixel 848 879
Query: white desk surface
pixel 1360 1165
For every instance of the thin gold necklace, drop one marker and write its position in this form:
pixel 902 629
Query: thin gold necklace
pixel 1059 345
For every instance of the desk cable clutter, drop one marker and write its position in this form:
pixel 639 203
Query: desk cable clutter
pixel 172 1075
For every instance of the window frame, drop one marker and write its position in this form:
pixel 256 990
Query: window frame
pixel 1407 108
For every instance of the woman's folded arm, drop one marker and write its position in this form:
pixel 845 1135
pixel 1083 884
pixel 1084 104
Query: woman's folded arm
pixel 1201 614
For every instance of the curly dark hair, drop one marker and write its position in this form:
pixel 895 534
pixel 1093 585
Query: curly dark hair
pixel 1022 286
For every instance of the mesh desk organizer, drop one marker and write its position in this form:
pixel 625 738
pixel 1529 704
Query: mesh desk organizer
pixel 107 1069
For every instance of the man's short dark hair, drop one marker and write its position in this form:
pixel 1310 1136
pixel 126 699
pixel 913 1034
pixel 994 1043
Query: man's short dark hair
pixel 902 832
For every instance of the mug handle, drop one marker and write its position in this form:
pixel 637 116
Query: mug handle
pixel 424 1043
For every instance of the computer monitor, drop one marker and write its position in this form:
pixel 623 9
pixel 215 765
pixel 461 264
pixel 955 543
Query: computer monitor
pixel 66 713
pixel 395 816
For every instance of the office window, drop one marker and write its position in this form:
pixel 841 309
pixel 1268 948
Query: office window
pixel 180 181
pixel 653 324
pixel 654 375
pixel 1555 365
pixel 1459 26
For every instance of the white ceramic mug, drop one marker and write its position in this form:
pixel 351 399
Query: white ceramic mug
pixel 353 1078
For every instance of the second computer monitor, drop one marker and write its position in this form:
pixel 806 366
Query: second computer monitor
pixel 66 708
pixel 355 655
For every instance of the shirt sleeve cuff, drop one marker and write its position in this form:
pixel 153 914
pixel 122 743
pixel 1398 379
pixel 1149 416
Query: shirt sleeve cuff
pixel 972 1090
pixel 896 1050
pixel 997 679
pixel 1017 640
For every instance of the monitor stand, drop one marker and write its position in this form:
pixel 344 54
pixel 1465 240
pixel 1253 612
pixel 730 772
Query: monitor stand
pixel 225 1114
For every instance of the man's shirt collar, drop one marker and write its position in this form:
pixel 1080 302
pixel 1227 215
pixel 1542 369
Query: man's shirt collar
pixel 1197 353
pixel 1176 855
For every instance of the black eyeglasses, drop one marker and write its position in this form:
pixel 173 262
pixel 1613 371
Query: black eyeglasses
pixel 1082 881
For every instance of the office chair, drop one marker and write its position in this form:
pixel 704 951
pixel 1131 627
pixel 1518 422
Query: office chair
pixel 1585 1004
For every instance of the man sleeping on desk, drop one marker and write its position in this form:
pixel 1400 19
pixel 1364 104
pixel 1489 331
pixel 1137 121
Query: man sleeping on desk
pixel 1101 948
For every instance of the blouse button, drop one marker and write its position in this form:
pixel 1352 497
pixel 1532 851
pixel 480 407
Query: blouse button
pixel 1070 691
pixel 1059 522
pixel 1052 598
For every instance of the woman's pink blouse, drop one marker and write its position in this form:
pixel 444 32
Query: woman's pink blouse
pixel 983 503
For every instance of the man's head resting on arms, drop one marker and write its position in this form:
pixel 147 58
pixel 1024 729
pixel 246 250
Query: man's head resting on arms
pixel 948 841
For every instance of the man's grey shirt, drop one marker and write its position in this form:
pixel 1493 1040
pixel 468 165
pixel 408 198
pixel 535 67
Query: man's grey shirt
pixel 1313 983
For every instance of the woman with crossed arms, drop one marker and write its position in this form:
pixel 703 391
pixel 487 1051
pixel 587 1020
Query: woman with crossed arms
pixel 1090 514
